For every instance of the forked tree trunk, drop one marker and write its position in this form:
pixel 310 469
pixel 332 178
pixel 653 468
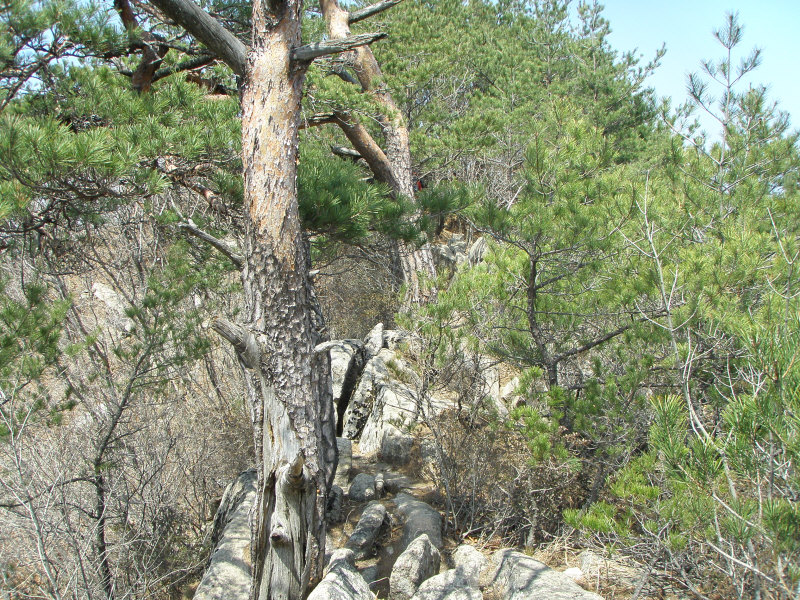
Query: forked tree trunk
pixel 288 383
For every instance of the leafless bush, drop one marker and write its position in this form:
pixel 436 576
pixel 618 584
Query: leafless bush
pixel 355 288
pixel 109 479
pixel 493 489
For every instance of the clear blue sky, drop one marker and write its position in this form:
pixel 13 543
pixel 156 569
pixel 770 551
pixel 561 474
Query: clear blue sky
pixel 686 26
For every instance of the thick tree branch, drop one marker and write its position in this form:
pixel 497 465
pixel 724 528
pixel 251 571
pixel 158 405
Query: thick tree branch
pixel 372 9
pixel 208 30
pixel 152 50
pixel 236 258
pixel 342 74
pixel 47 490
pixel 242 340
pixel 594 343
pixel 347 153
pixel 309 52
pixel 368 148
pixel 317 119
pixel 186 65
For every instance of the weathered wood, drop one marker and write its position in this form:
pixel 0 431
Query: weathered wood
pixel 372 9
pixel 309 52
pixel 242 340
pixel 208 30
pixel 288 383
pixel 347 153
pixel 368 148
pixel 236 258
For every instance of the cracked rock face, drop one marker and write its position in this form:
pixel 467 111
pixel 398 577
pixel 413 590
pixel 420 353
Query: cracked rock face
pixel 359 407
pixel 228 574
pixel 347 362
pixel 345 448
pixel 386 429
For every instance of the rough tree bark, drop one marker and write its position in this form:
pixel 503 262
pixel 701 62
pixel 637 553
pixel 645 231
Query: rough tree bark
pixel 288 383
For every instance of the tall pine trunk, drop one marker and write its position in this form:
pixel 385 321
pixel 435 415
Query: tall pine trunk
pixel 414 263
pixel 288 383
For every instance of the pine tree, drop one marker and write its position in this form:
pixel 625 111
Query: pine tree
pixel 716 229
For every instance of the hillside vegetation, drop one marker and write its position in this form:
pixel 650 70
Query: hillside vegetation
pixel 633 281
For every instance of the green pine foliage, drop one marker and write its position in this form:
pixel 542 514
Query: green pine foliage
pixel 30 334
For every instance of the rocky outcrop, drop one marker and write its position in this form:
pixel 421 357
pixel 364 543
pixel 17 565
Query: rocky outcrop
pixel 477 251
pixel 452 253
pixel 362 541
pixel 347 362
pixel 381 415
pixel 342 580
pixel 373 343
pixel 377 400
pixel 228 574
pixel 387 428
pixel 420 561
pixel 516 576
pixel 410 563
pixel 374 375
pixel 419 518
pixel 459 583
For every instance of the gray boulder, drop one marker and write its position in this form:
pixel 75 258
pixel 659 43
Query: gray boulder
pixel 395 482
pixel 370 573
pixel 362 488
pixel 362 541
pixel 449 585
pixel 342 580
pixel 380 484
pixel 419 518
pixel 420 561
pixel 228 574
pixel 470 563
pixel 519 577
pixel 374 341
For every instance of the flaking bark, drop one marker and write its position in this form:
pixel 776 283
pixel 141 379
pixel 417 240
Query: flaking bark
pixel 290 389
